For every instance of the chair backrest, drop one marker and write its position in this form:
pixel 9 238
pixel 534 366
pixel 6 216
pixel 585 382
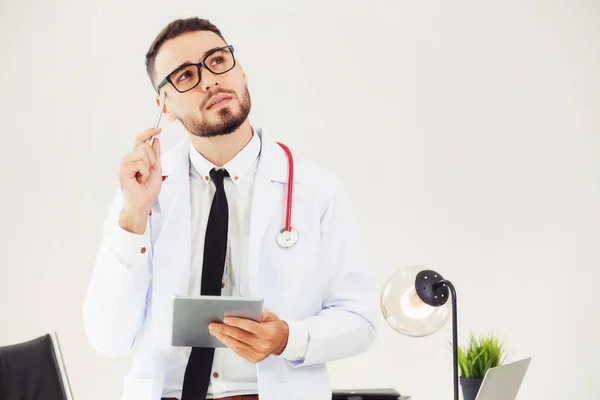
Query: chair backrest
pixel 34 370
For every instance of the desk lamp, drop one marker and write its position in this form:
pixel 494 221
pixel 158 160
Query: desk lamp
pixel 414 302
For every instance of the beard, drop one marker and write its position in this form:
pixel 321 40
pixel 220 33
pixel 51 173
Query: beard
pixel 229 120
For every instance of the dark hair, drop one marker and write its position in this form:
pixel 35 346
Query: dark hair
pixel 173 30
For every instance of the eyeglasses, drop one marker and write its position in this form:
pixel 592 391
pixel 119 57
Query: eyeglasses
pixel 187 77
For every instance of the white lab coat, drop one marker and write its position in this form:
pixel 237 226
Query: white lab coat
pixel 323 284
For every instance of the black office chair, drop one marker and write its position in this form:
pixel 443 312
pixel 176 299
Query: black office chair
pixel 34 370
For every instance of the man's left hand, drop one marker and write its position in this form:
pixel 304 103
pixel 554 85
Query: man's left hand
pixel 253 341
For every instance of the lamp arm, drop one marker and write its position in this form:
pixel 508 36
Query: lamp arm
pixel 454 334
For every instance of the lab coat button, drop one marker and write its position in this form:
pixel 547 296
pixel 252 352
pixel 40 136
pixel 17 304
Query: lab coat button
pixel 215 374
pixel 222 285
pixel 143 250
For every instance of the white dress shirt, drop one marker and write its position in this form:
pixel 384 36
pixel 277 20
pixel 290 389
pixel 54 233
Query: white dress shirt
pixel 231 375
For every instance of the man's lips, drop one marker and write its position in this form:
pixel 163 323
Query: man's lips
pixel 218 101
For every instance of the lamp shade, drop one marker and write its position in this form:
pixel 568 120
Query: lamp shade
pixel 414 302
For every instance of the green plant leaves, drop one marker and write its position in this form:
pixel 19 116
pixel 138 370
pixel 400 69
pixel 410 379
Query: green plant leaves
pixel 481 353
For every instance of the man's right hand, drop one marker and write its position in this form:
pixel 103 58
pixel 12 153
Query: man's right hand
pixel 140 176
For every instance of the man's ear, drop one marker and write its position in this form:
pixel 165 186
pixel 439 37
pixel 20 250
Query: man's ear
pixel 168 114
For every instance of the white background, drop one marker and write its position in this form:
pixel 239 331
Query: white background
pixel 465 131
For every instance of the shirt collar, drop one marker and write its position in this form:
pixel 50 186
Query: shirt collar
pixel 237 167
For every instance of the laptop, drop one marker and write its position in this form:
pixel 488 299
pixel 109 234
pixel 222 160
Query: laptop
pixel 503 382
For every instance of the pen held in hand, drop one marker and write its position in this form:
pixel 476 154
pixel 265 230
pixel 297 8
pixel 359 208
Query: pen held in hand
pixel 158 117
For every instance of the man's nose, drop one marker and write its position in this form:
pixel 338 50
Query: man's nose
pixel 208 80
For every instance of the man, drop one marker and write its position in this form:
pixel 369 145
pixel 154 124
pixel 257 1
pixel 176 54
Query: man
pixel 217 202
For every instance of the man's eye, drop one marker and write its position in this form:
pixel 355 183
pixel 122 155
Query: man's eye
pixel 184 76
pixel 216 61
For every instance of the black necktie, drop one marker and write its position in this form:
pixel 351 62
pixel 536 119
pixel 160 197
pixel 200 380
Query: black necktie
pixel 199 366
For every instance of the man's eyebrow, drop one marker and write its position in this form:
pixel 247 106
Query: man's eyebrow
pixel 207 52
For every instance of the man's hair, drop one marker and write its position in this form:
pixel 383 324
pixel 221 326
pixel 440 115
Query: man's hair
pixel 173 30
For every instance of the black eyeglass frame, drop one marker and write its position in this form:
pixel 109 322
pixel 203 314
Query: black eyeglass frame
pixel 198 65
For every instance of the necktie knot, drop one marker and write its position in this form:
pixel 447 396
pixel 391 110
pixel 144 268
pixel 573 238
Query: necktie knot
pixel 217 175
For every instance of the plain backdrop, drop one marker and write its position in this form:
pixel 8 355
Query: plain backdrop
pixel 466 132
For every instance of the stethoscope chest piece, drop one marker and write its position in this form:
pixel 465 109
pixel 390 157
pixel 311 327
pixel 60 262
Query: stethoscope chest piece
pixel 287 239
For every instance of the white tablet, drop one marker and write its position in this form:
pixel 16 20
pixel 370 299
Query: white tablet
pixel 193 314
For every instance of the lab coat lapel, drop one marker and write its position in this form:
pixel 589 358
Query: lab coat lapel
pixel 272 167
pixel 171 267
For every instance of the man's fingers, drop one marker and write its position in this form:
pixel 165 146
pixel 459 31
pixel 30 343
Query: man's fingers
pixel 149 153
pixel 137 163
pixel 240 348
pixel 144 136
pixel 236 333
pixel 268 316
pixel 139 156
pixel 243 323
pixel 143 169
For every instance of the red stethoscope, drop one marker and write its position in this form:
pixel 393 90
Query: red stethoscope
pixel 288 236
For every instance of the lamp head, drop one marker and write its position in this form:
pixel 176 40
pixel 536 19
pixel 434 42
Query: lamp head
pixel 431 289
pixel 414 301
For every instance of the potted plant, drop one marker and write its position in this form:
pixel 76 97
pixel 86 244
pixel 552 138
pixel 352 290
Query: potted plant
pixel 481 353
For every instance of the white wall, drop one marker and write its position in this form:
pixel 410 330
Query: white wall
pixel 465 131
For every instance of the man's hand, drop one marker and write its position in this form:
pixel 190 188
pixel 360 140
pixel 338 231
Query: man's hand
pixel 140 176
pixel 253 341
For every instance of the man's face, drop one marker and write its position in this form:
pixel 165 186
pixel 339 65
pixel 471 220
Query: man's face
pixel 194 108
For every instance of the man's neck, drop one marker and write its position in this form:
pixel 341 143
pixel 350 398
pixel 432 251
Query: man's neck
pixel 219 150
